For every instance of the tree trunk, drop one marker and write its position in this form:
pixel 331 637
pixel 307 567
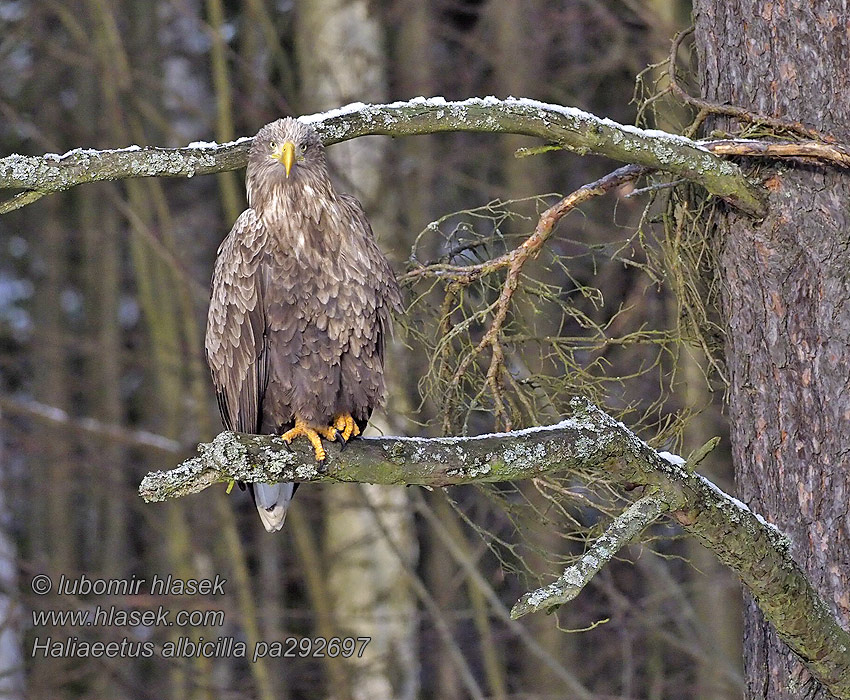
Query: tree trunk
pixel 340 53
pixel 713 593
pixel 12 680
pixel 787 303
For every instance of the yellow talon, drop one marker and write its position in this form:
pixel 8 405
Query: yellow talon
pixel 346 425
pixel 327 432
pixel 343 424
pixel 312 434
pixel 230 486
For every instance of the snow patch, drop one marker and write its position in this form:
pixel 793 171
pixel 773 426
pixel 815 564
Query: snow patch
pixel 331 113
pixel 563 425
pixel 89 152
pixel 206 145
pixel 673 459
pixel 738 504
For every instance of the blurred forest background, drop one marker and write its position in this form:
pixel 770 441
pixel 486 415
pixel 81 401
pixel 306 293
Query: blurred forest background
pixel 103 298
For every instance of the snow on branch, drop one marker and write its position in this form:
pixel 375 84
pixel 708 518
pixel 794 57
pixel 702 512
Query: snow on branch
pixel 38 175
pixel 567 127
pixel 588 445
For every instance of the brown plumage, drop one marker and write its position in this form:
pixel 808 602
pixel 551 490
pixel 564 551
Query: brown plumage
pixel 300 305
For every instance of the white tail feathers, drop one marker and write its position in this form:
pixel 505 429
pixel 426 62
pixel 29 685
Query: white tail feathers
pixel 272 501
pixel 272 518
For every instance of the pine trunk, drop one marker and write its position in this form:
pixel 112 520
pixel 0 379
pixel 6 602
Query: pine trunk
pixel 787 303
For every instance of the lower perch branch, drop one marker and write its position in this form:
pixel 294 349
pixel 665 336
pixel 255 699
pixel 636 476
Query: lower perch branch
pixel 626 526
pixel 590 445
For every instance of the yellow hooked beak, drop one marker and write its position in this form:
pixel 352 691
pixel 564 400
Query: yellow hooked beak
pixel 285 153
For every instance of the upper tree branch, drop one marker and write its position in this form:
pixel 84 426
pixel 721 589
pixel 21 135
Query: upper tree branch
pixel 53 173
pixel 568 127
pixel 590 445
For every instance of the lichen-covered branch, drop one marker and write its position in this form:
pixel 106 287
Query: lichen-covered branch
pixel 626 526
pixel 588 445
pixel 39 175
pixel 565 126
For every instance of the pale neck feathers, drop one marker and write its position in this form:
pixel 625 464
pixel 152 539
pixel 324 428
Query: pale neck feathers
pixel 304 196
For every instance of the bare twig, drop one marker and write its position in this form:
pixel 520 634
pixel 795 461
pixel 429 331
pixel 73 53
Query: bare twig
pixel 652 188
pixel 20 200
pixel 835 153
pixel 514 262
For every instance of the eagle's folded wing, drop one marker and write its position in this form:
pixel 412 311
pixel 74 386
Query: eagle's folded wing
pixel 236 326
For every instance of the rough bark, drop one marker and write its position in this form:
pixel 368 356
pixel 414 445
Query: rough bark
pixel 787 304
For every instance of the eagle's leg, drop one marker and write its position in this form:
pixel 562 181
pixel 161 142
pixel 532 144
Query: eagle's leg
pixel 346 425
pixel 314 433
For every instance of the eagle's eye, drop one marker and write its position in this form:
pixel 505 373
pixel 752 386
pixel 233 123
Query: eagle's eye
pixel 273 145
pixel 305 147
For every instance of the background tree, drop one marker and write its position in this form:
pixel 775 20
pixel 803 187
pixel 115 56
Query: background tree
pixel 342 59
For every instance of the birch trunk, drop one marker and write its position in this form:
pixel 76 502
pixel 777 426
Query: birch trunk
pixel 12 681
pixel 341 57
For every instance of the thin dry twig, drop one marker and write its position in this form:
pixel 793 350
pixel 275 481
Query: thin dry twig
pixel 20 200
pixel 514 262
pixel 835 153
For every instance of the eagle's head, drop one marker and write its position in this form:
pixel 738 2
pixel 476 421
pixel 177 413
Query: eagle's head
pixel 286 158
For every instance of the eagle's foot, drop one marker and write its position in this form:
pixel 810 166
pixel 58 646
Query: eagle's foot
pixel 341 430
pixel 345 423
pixel 313 433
